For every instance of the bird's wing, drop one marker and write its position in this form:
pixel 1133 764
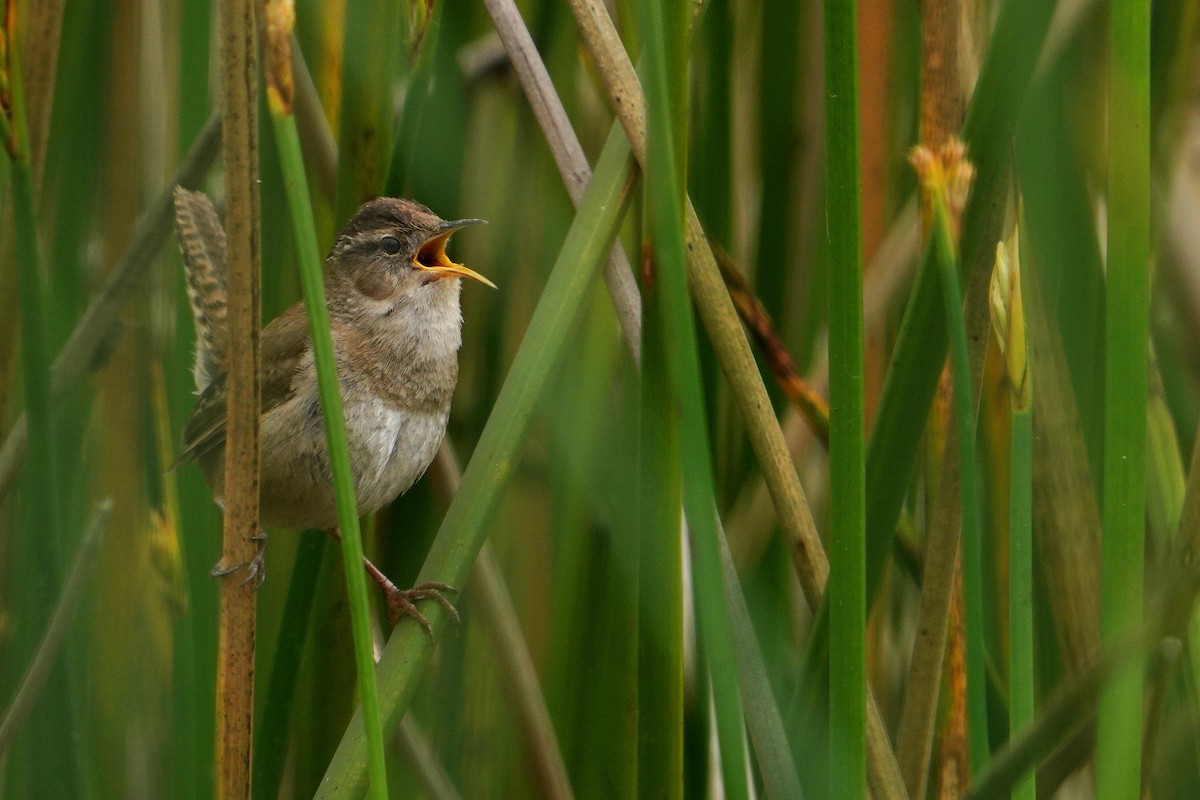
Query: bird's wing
pixel 284 343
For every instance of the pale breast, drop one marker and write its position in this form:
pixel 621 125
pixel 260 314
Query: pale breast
pixel 396 406
pixel 389 450
pixel 392 450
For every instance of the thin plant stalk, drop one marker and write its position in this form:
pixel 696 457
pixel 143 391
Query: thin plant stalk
pixel 847 574
pixel 972 543
pixel 663 183
pixel 519 674
pixel 918 717
pixel 42 541
pixel 1008 323
pixel 763 719
pixel 1118 750
pixel 420 755
pixel 41 547
pixel 660 579
pixel 280 20
pixel 241 544
pixel 44 499
pixel 1020 597
pixel 660 571
pixel 271 735
pixel 58 627
pixel 939 179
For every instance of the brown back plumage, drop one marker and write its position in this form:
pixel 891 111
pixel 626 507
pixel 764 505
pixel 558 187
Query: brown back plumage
pixel 205 254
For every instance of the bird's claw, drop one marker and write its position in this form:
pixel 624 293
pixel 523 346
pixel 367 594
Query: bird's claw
pixel 402 602
pixel 256 567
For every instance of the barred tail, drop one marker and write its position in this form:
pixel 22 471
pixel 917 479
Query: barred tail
pixel 202 242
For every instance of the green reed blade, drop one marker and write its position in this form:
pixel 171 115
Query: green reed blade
pixel 847 553
pixel 464 528
pixel 1118 739
pixel 312 278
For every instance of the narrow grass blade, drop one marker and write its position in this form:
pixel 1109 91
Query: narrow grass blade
pixel 272 734
pixel 664 104
pixel 780 53
pixel 520 676
pixel 1008 325
pixel 847 570
pixel 41 541
pixel 660 767
pixel 280 18
pixel 56 630
pixel 44 500
pixel 463 529
pixel 1118 744
pixel 763 719
pixel 420 755
pixel 923 686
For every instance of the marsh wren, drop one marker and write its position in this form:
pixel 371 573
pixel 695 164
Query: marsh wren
pixel 393 298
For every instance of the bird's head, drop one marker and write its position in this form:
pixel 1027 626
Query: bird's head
pixel 394 249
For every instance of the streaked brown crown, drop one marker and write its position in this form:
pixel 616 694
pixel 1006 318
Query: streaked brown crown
pixel 409 221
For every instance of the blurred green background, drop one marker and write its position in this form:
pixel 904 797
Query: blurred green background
pixel 121 93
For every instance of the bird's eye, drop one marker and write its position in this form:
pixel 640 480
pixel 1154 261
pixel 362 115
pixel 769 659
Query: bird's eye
pixel 390 245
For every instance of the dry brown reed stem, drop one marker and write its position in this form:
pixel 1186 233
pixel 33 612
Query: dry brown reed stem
pixel 941 582
pixel 235 646
pixel 95 333
pixel 737 362
pixel 799 393
pixel 941 115
pixel 941 93
pixel 875 27
pixel 914 737
pixel 953 768
pixel 568 156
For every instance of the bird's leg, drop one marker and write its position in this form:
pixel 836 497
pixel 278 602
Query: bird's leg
pixel 256 568
pixel 402 602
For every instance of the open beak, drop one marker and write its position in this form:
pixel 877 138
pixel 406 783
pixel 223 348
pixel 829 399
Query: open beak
pixel 431 257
